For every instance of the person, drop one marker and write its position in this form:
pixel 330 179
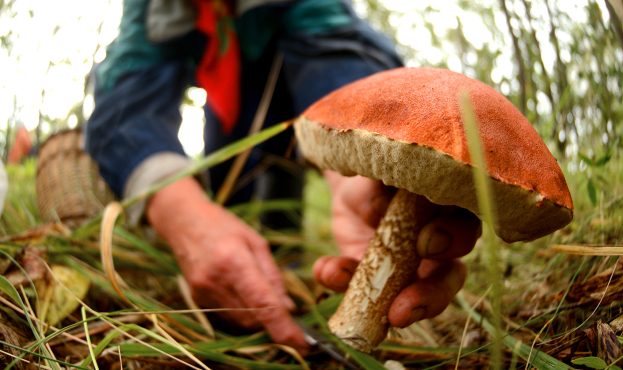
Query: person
pixel 165 46
pixel 22 146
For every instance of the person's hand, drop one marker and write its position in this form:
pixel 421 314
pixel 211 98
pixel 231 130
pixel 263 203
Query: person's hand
pixel 358 206
pixel 226 263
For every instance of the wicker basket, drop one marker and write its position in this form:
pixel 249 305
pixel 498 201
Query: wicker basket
pixel 69 186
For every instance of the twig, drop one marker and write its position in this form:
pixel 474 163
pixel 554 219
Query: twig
pixel 616 20
pixel 589 250
pixel 13 356
pixel 547 80
pixel 258 120
pixel 563 83
pixel 518 59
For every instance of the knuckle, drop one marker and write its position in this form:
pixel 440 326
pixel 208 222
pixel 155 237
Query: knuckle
pixel 260 299
pixel 200 281
pixel 222 255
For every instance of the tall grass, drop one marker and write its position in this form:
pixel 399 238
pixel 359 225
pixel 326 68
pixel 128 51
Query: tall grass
pixel 487 214
pixel 20 208
pixel 535 317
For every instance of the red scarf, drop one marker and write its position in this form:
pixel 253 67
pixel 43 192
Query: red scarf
pixel 219 69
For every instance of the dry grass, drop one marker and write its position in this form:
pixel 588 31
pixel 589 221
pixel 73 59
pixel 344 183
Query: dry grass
pixel 559 307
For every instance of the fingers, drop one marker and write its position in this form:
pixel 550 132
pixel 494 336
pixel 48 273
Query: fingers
pixel 449 236
pixel 255 291
pixel 231 277
pixel 260 249
pixel 226 263
pixel 430 295
pixel 438 282
pixel 358 203
pixel 335 272
pixel 367 199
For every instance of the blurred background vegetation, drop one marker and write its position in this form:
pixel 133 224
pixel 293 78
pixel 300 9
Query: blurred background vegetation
pixel 559 62
pixel 565 59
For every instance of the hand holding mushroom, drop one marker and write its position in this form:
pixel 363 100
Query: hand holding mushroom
pixel 359 203
pixel 404 128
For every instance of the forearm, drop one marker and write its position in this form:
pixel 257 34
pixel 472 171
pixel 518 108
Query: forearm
pixel 174 210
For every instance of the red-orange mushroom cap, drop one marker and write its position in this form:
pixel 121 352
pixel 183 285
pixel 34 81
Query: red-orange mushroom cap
pixel 404 127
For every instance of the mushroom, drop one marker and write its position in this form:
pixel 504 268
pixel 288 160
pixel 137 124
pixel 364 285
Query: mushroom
pixel 404 127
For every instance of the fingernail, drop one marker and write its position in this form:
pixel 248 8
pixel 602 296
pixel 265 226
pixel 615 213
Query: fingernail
pixel 438 242
pixel 418 314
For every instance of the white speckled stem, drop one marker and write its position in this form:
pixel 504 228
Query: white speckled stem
pixel 389 265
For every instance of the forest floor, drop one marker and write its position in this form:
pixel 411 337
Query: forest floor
pixel 562 296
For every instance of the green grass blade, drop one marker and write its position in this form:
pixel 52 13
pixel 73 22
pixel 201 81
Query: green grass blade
pixel 487 214
pixel 213 159
pixel 88 337
pixel 211 351
pixel 146 304
pixel 532 356
pixel 198 166
pixel 137 349
pixel 150 334
pixel 20 211
pixel 38 355
pixel 165 261
pixel 254 208
pixel 7 288
pixel 101 346
pixel 49 337
pixel 319 314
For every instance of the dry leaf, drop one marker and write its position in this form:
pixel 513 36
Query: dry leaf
pixel 60 296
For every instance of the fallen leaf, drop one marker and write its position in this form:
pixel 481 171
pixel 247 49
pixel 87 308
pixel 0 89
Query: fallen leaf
pixel 60 296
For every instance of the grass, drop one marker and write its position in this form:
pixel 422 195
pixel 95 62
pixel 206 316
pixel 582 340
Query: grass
pixel 550 302
pixel 487 208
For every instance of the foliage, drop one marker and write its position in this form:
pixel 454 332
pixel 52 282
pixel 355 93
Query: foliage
pixel 567 60
pixel 593 362
pixel 20 208
pixel 559 64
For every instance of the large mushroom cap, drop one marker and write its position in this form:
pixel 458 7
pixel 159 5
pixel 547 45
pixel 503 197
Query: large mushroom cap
pixel 404 127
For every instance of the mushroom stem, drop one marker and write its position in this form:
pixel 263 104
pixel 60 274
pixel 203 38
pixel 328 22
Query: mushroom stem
pixel 388 266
